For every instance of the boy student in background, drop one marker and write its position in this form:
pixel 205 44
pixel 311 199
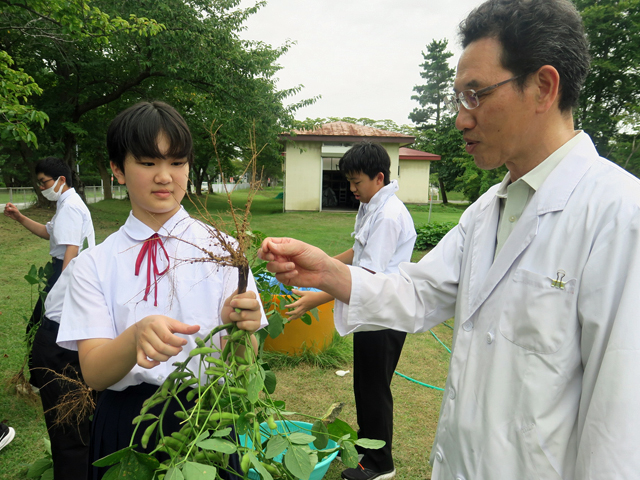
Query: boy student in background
pixel 384 237
pixel 136 303
pixel 67 231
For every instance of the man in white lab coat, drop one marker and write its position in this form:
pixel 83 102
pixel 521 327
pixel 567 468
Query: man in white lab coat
pixel 542 273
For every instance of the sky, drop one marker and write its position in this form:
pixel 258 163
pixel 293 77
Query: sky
pixel 362 56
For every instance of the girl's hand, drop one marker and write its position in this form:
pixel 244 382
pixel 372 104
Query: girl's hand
pixel 249 316
pixel 156 340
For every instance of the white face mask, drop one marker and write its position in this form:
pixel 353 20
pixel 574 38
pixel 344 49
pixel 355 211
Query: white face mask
pixel 51 194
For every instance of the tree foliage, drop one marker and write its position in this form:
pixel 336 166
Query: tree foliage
pixel 16 116
pixel 437 131
pixel 91 63
pixel 438 76
pixel 608 109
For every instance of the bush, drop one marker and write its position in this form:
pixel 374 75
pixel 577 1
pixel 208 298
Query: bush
pixel 430 234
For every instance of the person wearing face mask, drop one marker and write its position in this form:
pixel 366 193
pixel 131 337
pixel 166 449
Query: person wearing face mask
pixel 68 231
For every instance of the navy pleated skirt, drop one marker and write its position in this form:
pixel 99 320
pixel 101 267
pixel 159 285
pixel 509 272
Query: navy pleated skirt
pixel 112 428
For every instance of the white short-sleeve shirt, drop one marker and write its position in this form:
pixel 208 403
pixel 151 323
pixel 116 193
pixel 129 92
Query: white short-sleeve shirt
pixel 70 225
pixel 384 232
pixel 105 297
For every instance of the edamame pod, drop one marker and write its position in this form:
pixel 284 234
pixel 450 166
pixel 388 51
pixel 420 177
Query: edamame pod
pixel 144 418
pixel 201 351
pixel 147 434
pixel 245 463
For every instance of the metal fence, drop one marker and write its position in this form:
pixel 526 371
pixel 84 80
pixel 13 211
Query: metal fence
pixel 24 197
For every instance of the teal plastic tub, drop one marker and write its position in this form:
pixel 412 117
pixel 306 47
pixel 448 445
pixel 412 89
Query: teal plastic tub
pixel 321 467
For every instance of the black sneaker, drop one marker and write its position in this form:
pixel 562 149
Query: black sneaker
pixel 6 435
pixel 361 473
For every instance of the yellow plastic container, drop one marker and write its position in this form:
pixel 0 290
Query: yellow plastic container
pixel 298 336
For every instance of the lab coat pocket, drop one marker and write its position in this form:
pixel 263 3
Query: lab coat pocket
pixel 538 464
pixel 538 315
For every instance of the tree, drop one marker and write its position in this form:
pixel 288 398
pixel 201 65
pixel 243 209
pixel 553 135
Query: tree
pixel 612 89
pixel 438 76
pixel 437 132
pixel 189 49
pixel 445 140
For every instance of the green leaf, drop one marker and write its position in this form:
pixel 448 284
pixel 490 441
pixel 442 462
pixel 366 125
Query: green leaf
pixel 270 381
pixel 264 474
pixel 47 475
pixel 138 466
pixel 32 280
pixel 221 433
pixel 299 462
pixel 113 458
pixel 173 473
pixel 325 453
pixel 243 424
pixel 349 455
pixel 276 325
pixel 37 468
pixel 319 430
pixel 301 438
pixel 275 446
pixel 217 445
pixel 146 460
pixel 306 319
pixel 338 428
pixel 113 473
pixel 370 443
pixel 254 387
pixel 198 471
pixel 47 445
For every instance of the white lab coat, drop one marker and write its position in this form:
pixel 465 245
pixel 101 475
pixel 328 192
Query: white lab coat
pixel 544 383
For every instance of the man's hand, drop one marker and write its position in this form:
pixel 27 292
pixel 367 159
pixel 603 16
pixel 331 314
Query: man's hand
pixel 303 265
pixel 156 340
pixel 294 262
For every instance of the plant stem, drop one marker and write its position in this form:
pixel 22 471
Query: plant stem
pixel 243 278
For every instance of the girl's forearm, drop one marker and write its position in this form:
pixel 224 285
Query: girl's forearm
pixel 104 362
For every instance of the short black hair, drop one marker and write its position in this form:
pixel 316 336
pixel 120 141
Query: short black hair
pixel 135 131
pixel 368 158
pixel 534 33
pixel 55 167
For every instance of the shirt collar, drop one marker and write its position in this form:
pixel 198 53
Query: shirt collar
pixel 65 195
pixel 138 231
pixel 536 177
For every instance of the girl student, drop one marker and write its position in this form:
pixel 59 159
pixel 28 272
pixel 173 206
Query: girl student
pixel 137 301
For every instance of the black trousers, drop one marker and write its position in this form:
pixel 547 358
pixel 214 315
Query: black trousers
pixel 375 357
pixel 69 443
pixel 38 311
pixel 112 428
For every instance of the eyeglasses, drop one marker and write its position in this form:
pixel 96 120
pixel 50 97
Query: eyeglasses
pixel 470 98
pixel 42 183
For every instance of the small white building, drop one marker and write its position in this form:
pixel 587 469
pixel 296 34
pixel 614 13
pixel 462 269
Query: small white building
pixel 312 181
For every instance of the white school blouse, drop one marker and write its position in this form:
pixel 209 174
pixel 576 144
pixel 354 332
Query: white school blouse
pixel 105 297
pixel 71 225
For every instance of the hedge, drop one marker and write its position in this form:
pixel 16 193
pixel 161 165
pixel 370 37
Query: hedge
pixel 430 234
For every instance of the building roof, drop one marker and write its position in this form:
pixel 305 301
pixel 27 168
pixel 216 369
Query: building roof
pixel 412 154
pixel 347 132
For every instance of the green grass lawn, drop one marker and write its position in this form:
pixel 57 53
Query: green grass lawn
pixel 304 388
